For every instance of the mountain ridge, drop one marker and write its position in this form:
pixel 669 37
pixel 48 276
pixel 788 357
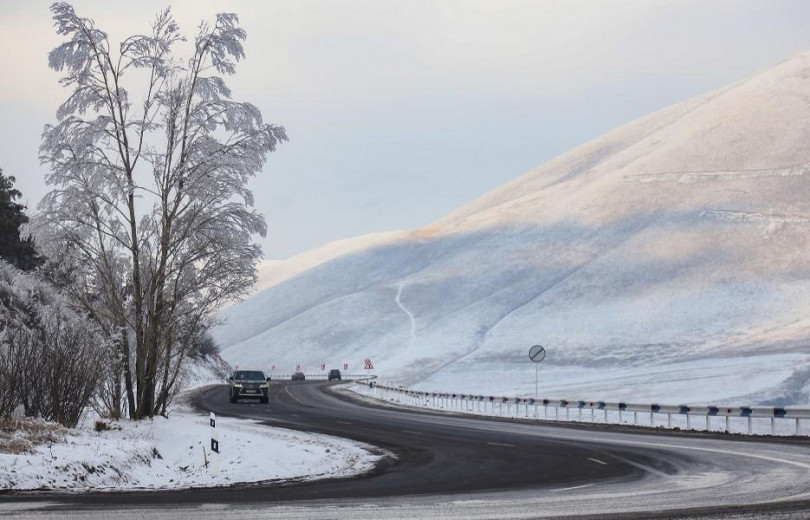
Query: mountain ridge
pixel 677 237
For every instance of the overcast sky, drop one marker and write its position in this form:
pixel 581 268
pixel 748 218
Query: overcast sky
pixel 400 111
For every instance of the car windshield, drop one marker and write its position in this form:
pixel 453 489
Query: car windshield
pixel 249 375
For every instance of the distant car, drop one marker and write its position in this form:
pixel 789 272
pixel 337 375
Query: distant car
pixel 334 374
pixel 298 376
pixel 249 383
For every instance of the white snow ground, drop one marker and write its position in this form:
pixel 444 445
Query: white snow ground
pixel 171 453
pixel 669 246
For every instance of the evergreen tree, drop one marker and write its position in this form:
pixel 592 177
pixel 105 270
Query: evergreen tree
pixel 20 253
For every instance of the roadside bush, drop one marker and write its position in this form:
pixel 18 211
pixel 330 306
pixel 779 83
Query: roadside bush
pixel 204 348
pixel 50 356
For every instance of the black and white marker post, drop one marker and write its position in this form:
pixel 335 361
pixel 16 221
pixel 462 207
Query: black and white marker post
pixel 536 354
pixel 212 419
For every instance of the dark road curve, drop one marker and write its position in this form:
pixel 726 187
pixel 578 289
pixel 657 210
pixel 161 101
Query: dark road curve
pixel 433 454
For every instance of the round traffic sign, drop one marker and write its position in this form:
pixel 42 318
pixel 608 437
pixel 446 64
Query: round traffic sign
pixel 537 353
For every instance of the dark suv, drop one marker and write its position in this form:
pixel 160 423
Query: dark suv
pixel 249 383
pixel 334 374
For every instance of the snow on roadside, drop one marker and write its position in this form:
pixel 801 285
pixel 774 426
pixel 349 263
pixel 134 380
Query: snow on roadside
pixel 169 454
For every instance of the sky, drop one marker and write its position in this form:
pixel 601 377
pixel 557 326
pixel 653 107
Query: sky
pixel 398 112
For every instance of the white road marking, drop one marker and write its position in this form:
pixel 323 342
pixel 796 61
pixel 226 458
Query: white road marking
pixel 602 462
pixel 411 432
pixel 342 422
pixel 571 488
pixel 501 444
pixel 649 444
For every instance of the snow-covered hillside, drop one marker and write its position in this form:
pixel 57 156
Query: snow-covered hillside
pixel 675 245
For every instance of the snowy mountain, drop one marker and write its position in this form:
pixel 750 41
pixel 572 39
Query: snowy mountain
pixel 666 260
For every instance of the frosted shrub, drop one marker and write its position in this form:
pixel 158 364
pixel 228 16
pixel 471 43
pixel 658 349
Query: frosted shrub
pixel 50 356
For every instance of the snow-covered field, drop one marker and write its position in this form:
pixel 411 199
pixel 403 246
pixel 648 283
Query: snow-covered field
pixel 172 453
pixel 667 259
pixel 733 381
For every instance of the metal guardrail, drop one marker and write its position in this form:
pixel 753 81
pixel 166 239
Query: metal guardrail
pixel 494 405
pixel 318 376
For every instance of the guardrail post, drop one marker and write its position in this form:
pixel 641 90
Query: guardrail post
pixel 652 418
pixel 669 420
pixel 749 425
pixel 773 426
pixel 688 422
pixel 728 424
pixel 212 422
pixel 606 416
pixel 796 429
pixel 635 418
pixel 708 429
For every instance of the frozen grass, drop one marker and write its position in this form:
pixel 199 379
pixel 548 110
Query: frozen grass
pixel 23 435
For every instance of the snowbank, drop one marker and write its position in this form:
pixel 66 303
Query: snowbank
pixel 172 453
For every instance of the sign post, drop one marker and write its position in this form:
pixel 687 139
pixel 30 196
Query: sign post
pixel 536 354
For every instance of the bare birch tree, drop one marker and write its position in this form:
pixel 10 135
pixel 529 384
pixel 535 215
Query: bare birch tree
pixel 150 207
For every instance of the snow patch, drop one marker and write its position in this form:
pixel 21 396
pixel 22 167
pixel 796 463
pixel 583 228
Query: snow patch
pixel 172 453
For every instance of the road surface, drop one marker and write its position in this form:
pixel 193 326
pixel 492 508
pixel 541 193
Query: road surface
pixel 447 466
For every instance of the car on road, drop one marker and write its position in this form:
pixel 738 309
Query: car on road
pixel 334 374
pixel 249 384
pixel 298 376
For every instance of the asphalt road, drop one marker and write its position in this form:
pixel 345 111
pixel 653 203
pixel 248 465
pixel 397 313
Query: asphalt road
pixel 446 466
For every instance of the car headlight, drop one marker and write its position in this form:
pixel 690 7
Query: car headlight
pixel 237 385
pixel 263 385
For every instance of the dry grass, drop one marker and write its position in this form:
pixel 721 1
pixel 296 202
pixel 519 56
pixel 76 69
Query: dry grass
pixel 22 435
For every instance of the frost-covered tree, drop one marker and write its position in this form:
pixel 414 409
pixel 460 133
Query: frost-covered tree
pixel 13 249
pixel 150 160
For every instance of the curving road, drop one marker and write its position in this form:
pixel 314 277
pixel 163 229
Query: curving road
pixel 447 466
